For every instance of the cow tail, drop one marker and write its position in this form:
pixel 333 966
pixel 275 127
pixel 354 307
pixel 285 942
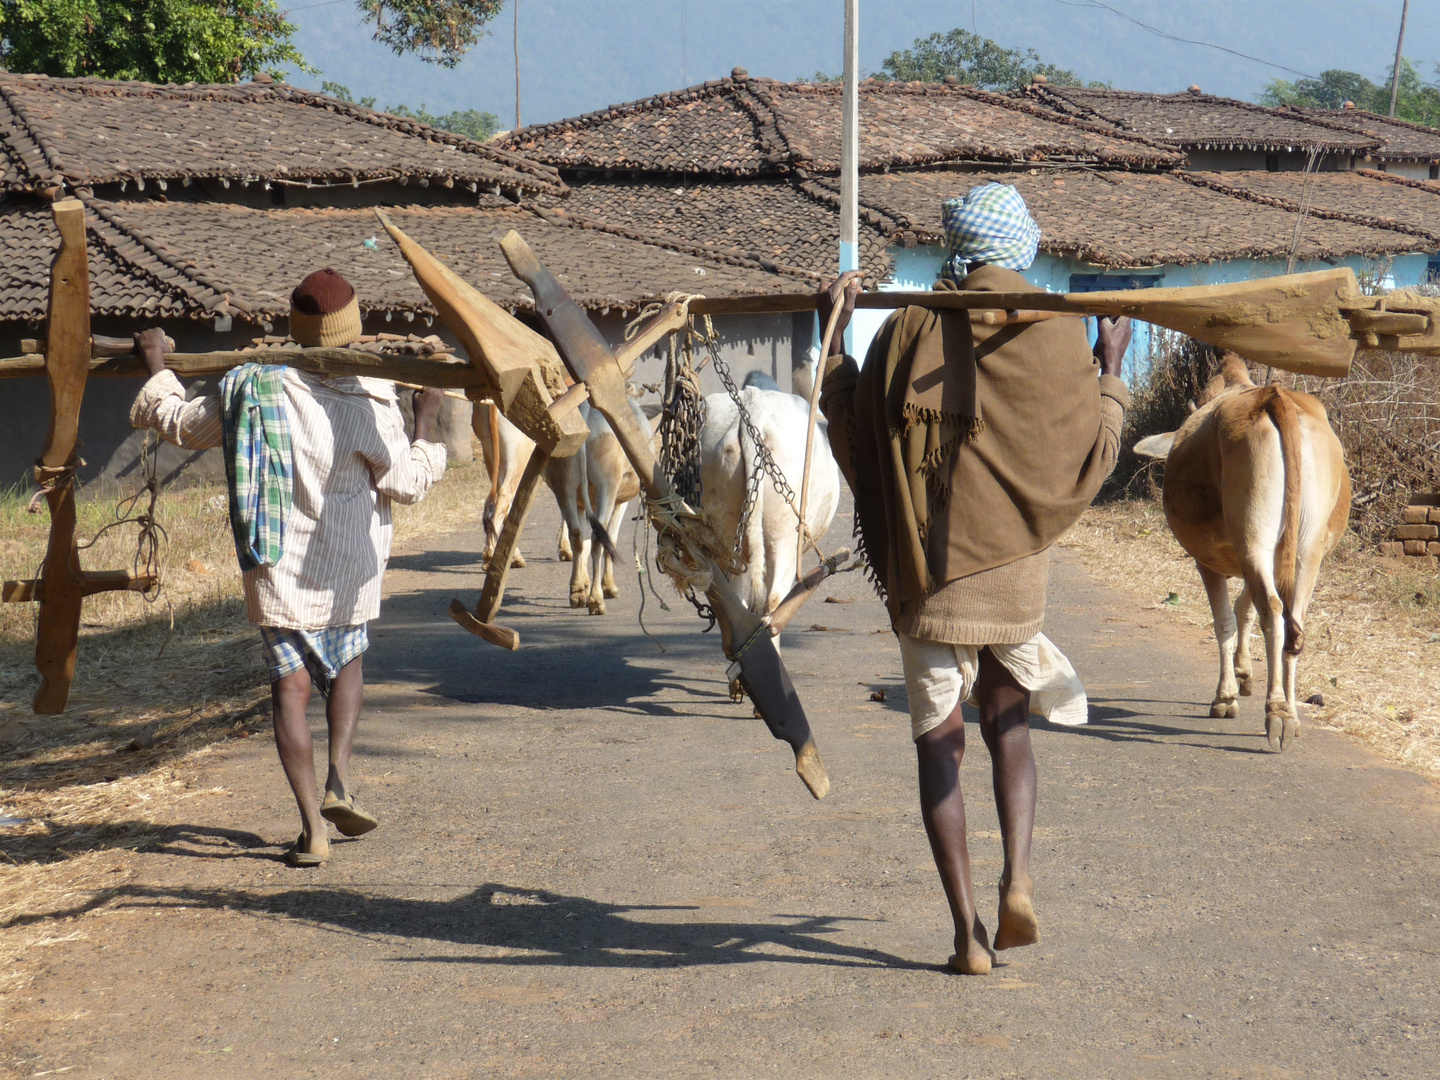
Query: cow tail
pixel 1287 423
pixel 601 535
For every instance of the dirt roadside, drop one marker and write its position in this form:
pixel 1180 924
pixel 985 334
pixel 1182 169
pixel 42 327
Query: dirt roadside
pixel 591 864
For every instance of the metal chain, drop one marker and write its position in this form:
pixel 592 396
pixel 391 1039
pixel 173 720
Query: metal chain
pixel 681 423
pixel 764 462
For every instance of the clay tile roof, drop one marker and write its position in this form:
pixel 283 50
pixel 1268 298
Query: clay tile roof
pixel 86 132
pixel 1193 121
pixel 1132 220
pixel 773 221
pixel 1400 140
pixel 196 259
pixel 1364 197
pixel 749 126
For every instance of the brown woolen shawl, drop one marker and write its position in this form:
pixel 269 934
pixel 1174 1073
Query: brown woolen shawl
pixel 970 447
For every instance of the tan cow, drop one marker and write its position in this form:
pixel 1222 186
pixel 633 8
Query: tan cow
pixel 1256 488
pixel 506 450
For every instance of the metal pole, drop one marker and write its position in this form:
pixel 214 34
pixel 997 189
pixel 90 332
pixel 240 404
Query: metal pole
pixel 1399 46
pixel 517 65
pixel 850 144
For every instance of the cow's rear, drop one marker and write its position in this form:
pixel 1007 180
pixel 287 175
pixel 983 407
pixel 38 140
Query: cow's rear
pixel 1256 488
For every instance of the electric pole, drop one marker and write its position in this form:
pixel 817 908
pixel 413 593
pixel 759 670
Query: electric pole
pixel 850 144
pixel 517 64
pixel 1399 46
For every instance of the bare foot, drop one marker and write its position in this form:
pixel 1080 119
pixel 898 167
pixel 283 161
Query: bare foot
pixel 1018 925
pixel 973 955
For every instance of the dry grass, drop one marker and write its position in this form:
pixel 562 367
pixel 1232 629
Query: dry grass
pixel 99 781
pixel 1372 633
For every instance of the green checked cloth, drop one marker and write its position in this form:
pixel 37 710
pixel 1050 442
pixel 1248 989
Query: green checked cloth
pixel 258 462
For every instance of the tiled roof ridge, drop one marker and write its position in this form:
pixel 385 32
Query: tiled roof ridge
pixel 872 213
pixel 406 126
pixel 210 294
pixel 1404 181
pixel 770 124
pixel 729 256
pixel 1386 224
pixel 544 176
pixel 1103 128
pixel 1396 121
pixel 25 126
pixel 1046 90
pixel 712 88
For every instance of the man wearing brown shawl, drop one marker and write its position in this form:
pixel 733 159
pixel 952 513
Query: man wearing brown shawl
pixel 970 449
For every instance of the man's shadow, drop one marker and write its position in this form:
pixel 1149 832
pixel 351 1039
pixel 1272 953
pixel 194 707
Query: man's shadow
pixel 536 928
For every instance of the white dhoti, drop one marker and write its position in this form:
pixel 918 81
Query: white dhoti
pixel 938 676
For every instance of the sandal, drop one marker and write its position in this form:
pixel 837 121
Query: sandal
pixel 300 854
pixel 347 815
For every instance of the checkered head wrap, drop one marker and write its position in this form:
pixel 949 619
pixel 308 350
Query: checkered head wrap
pixel 991 225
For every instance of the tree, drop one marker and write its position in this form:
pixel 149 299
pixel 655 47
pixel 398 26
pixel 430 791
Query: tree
pixel 974 60
pixel 472 123
pixel 1418 100
pixel 155 40
pixel 437 31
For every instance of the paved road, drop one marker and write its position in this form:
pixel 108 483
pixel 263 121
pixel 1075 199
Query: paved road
pixel 593 865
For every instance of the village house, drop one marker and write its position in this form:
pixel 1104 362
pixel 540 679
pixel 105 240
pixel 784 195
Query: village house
pixel 207 204
pixel 750 166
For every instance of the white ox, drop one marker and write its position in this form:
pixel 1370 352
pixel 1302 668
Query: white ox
pixel 727 461
pixel 1256 488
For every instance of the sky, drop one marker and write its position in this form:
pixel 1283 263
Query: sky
pixel 580 55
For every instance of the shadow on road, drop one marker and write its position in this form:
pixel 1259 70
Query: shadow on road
pixel 522 927
pixel 1110 722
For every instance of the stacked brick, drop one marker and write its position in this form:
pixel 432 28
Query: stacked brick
pixel 1417 539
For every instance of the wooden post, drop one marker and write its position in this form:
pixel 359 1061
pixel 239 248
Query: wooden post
pixel 67 362
pixel 62 585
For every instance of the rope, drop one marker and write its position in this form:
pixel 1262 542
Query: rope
pixel 150 535
pixel 52 478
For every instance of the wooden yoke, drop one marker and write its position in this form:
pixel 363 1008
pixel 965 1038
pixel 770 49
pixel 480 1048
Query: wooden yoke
pixel 62 585
pixel 527 384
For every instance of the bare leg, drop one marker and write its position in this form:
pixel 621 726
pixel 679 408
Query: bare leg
pixel 939 753
pixel 1004 707
pixel 342 714
pixel 289 696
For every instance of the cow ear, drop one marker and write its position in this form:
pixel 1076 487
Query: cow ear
pixel 651 409
pixel 1156 446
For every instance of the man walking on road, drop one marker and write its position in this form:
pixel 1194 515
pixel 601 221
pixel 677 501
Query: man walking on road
pixel 970 449
pixel 314 464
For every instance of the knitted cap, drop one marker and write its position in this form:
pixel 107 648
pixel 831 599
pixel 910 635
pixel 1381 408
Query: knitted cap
pixel 324 311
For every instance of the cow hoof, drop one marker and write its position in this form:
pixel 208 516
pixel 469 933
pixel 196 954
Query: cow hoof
pixel 1277 720
pixel 578 599
pixel 518 562
pixel 737 692
pixel 1246 683
pixel 610 591
pixel 1291 730
pixel 597 607
pixel 1220 709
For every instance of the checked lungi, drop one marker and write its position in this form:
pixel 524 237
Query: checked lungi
pixel 321 652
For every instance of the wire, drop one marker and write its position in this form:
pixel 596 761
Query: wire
pixel 308 7
pixel 1175 37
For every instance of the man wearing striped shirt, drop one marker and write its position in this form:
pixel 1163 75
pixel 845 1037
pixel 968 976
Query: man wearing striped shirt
pixel 349 461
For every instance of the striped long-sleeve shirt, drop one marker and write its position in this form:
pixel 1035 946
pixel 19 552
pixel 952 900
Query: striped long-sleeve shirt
pixel 352 460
